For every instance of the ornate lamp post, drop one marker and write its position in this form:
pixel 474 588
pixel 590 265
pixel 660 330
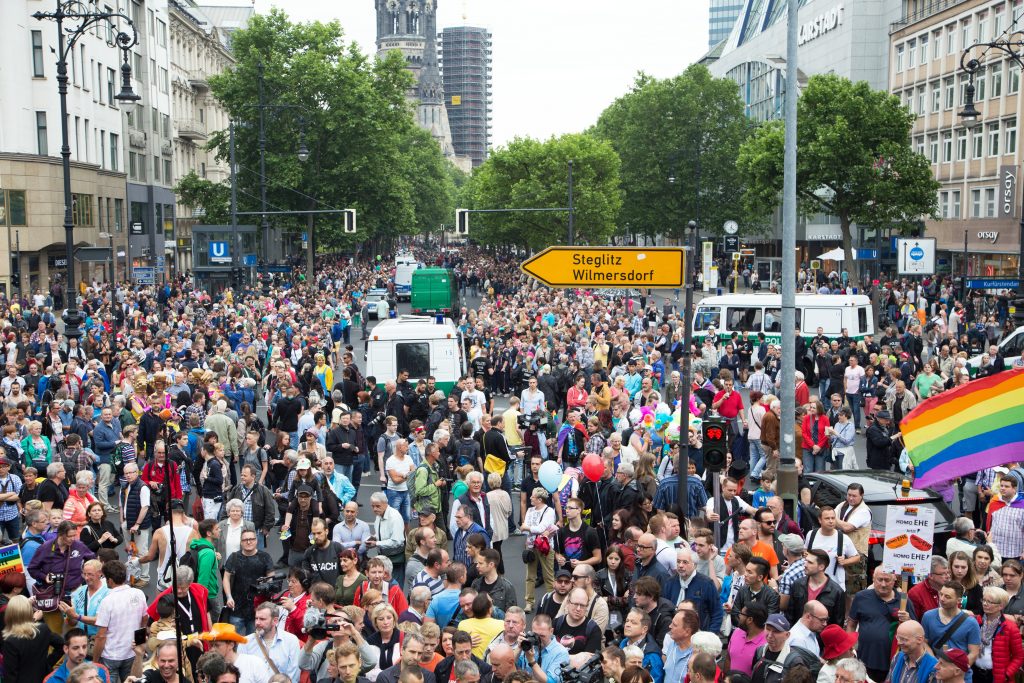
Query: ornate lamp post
pixel 74 18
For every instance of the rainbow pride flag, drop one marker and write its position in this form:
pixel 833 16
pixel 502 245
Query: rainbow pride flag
pixel 977 425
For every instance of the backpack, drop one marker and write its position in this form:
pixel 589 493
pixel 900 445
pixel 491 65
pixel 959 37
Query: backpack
pixel 467 452
pixel 117 458
pixel 191 560
pixel 839 548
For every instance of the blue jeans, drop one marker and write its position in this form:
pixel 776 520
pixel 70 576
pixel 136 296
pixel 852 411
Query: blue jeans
pixel 814 462
pixel 400 501
pixel 758 457
pixel 119 669
pixel 11 529
pixel 855 403
pixel 345 470
pixel 823 383
pixel 294 439
pixel 242 625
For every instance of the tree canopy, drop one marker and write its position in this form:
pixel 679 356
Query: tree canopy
pixel 853 160
pixel 529 173
pixel 689 127
pixel 365 150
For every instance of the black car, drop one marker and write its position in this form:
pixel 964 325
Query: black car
pixel 880 490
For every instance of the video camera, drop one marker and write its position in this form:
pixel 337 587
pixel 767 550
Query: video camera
pixel 591 672
pixel 315 624
pixel 271 587
pixel 530 641
pixel 533 420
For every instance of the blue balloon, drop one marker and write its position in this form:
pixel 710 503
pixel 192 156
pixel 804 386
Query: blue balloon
pixel 550 475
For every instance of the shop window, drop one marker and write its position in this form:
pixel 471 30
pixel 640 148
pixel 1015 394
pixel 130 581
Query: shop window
pixel 12 208
pixel 82 210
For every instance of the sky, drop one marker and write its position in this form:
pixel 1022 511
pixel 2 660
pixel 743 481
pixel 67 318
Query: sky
pixel 556 64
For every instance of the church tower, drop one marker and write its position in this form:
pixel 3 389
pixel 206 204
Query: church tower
pixel 410 26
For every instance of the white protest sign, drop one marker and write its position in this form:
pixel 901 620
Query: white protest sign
pixel 909 538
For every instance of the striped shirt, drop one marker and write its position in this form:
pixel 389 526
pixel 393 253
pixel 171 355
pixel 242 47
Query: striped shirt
pixel 424 579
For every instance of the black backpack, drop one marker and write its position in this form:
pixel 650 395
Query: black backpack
pixel 468 452
pixel 190 559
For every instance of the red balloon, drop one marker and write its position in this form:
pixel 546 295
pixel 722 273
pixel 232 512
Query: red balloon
pixel 593 467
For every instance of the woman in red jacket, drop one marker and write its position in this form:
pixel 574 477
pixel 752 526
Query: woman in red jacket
pixel 1002 654
pixel 815 439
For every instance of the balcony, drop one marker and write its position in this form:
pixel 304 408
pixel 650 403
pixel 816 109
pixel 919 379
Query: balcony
pixel 190 129
pixel 199 82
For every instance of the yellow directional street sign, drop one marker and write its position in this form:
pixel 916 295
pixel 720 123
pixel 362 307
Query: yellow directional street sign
pixel 608 267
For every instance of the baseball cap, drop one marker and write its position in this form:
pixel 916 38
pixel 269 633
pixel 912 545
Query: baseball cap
pixel 426 510
pixel 563 574
pixel 303 464
pixel 778 622
pixel 791 542
pixel 957 658
pixel 304 490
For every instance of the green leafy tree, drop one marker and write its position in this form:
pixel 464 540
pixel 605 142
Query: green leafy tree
pixel 358 128
pixel 853 159
pixel 529 173
pixel 690 128
pixel 212 200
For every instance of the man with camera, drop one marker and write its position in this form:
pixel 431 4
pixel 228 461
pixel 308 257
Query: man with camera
pixel 341 635
pixel 540 654
pixel 276 647
pixel 242 573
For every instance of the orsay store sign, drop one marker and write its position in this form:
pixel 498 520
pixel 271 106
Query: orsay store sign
pixel 821 24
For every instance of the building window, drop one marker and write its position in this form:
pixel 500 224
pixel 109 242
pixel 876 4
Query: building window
pixel 977 144
pixel 979 87
pixel 1010 128
pixel 950 86
pixel 919 144
pixel 12 208
pixel 993 139
pixel 167 171
pixel 954 200
pixel 165 121
pixel 164 80
pixel 933 148
pixel 85 71
pixel 963 90
pixel 113 152
pixel 922 49
pixel 950 39
pixel 154 116
pixel 118 213
pixel 921 102
pixel 156 169
pixel 37 54
pixel 42 144
pixel 99 213
pixel 947 146
pixel 111 80
pixel 990 202
pixel 997 81
pixel 911 53
pixel 81 210
pixel 944 204
pixel 161 32
pixel 965 33
pixel 997 25
pixel 1013 81
pixel 961 145
pixel 976 203
pixel 101 147
pixel 936 44
pixel 152 23
pixel 936 97
pixel 982 34
pixel 899 57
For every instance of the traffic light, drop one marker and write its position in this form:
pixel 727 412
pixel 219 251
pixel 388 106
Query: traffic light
pixel 350 221
pixel 461 221
pixel 716 442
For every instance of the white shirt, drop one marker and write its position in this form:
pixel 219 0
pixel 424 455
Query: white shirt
pixel 254 669
pixel 284 652
pixel 403 465
pixel 729 539
pixel 121 612
pixel 828 544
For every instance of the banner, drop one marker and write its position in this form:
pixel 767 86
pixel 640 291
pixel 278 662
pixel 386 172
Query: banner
pixel 10 559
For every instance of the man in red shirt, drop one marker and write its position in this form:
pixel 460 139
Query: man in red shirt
pixel 728 402
pixel 925 595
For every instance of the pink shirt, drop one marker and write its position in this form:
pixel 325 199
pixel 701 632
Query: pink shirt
pixel 741 650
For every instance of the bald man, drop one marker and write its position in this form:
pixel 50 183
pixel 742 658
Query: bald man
pixel 913 652
pixel 646 560
pixel 502 659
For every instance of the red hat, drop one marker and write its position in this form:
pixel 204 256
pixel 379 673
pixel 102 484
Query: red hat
pixel 957 658
pixel 837 641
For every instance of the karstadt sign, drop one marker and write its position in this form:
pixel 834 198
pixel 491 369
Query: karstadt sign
pixel 821 24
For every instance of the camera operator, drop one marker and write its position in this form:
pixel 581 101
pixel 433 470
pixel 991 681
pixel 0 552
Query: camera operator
pixel 242 571
pixel 540 654
pixel 343 630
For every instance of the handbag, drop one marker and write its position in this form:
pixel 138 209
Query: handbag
pixel 529 555
pixel 48 597
pixel 542 545
pixel 494 464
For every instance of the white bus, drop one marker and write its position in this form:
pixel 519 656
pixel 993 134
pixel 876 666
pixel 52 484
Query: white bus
pixel 756 313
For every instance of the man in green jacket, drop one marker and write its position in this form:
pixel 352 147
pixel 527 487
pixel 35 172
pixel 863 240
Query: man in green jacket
pixel 207 565
pixel 427 483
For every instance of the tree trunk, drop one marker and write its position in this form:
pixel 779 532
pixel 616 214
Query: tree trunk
pixel 848 263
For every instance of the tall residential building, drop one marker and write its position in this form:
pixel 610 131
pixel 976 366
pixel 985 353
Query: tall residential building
pixel 410 26
pixel 200 48
pixel 721 19
pixel 31 178
pixel 150 143
pixel 977 166
pixel 466 67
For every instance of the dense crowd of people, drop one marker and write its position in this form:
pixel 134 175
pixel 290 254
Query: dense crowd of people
pixel 181 484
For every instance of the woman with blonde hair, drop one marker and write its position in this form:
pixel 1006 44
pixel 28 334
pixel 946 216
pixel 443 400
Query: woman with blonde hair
pixel 30 649
pixel 539 523
pixel 644 474
pixel 500 503
pixel 961 569
pixel 387 637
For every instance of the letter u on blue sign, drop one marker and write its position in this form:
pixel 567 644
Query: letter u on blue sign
pixel 218 250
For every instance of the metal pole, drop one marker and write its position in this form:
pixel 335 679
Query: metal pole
pixel 17 249
pixel 963 278
pixel 572 227
pixel 788 482
pixel 310 249
pixel 264 223
pixel 234 194
pixel 72 320
pixel 684 379
pixel 10 266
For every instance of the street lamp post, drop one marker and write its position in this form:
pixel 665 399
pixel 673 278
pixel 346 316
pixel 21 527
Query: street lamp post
pixel 1008 45
pixel 80 18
